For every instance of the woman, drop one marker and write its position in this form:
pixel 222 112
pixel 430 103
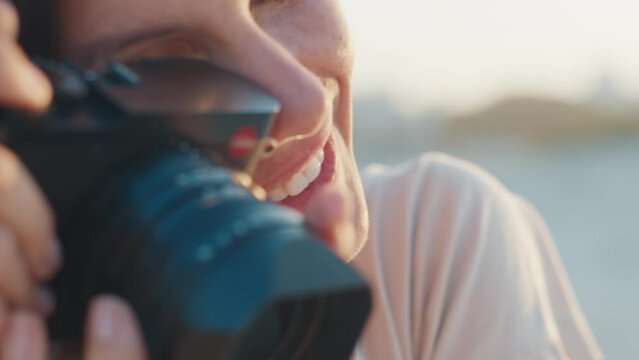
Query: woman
pixel 460 267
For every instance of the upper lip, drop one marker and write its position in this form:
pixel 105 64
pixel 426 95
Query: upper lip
pixel 290 160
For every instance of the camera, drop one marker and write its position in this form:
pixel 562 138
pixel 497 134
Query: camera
pixel 147 166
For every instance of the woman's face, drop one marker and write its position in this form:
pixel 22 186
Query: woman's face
pixel 299 50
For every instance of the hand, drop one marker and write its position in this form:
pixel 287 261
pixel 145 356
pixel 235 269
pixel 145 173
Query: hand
pixel 111 333
pixel 331 216
pixel 29 253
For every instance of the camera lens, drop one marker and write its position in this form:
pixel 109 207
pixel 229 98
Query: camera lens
pixel 211 272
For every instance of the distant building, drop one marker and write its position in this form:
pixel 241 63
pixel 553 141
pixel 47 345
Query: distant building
pixel 607 94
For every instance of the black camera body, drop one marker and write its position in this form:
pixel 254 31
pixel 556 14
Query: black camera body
pixel 98 120
pixel 147 167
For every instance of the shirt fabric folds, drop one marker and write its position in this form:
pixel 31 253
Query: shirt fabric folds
pixel 461 268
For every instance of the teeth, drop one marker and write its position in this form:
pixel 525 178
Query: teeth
pixel 312 170
pixel 300 181
pixel 296 185
pixel 278 194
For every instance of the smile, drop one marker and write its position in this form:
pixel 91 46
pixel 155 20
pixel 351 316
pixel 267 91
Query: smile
pixel 300 181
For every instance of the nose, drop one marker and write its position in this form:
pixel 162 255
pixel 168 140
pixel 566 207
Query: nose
pixel 248 50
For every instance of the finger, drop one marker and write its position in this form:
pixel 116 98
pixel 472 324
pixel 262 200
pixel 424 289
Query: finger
pixel 8 20
pixel 22 85
pixel 112 332
pixel 330 215
pixel 324 212
pixel 16 285
pixel 25 337
pixel 24 211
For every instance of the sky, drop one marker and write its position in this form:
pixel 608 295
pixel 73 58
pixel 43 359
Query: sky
pixel 459 55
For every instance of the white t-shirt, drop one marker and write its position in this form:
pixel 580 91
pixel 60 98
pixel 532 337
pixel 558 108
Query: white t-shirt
pixel 461 268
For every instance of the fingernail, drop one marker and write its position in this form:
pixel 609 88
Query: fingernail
pixel 104 322
pixel 45 301
pixel 17 342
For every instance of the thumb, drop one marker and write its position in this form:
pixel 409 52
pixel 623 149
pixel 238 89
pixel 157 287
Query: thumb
pixel 112 331
pixel 330 216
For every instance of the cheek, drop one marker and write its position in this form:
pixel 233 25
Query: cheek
pixel 85 21
pixel 350 180
pixel 344 110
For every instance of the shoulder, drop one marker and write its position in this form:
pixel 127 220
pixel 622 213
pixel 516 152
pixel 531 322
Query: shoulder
pixel 438 203
pixel 441 228
pixel 435 179
pixel 452 219
pixel 431 167
pixel 451 244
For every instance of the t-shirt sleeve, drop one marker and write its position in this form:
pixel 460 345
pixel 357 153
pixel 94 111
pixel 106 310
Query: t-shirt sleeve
pixel 461 268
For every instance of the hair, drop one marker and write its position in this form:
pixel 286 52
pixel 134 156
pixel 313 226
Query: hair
pixel 39 27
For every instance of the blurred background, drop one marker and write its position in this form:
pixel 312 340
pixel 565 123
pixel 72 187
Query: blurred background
pixel 542 93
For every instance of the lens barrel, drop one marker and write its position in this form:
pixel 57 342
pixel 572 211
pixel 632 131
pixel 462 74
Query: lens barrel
pixel 211 272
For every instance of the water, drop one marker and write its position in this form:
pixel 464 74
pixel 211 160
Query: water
pixel 589 195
